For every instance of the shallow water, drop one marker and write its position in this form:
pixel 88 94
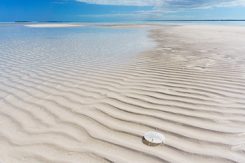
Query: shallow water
pixel 24 47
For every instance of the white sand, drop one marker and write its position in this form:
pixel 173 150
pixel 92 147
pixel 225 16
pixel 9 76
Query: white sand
pixel 52 25
pixel 191 88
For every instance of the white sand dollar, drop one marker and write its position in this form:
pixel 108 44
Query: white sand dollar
pixel 153 138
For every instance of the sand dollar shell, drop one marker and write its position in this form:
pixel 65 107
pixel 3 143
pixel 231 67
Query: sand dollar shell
pixel 153 138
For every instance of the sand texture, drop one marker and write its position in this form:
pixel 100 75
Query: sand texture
pixel 191 88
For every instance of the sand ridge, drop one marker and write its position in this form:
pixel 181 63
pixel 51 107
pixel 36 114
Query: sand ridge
pixel 189 88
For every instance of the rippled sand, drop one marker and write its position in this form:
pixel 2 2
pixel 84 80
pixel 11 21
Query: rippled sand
pixel 191 88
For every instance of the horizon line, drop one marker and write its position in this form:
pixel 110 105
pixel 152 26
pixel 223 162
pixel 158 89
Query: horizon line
pixel 57 21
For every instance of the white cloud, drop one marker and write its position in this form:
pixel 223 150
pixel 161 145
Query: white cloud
pixel 172 3
pixel 161 7
pixel 125 2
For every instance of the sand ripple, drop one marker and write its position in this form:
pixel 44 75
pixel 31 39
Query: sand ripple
pixel 187 88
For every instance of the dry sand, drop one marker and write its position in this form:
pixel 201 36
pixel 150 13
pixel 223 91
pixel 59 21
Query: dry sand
pixel 191 88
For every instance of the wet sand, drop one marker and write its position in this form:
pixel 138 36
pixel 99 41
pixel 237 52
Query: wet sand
pixel 191 88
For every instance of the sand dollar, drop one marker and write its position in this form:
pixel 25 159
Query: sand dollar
pixel 153 138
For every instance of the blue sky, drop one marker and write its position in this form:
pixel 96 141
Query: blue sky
pixel 119 10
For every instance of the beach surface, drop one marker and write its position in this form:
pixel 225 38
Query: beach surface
pixel 189 87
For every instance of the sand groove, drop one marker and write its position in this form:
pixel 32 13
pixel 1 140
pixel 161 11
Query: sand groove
pixel 67 111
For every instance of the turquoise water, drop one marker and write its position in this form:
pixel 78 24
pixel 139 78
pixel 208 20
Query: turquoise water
pixel 90 45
